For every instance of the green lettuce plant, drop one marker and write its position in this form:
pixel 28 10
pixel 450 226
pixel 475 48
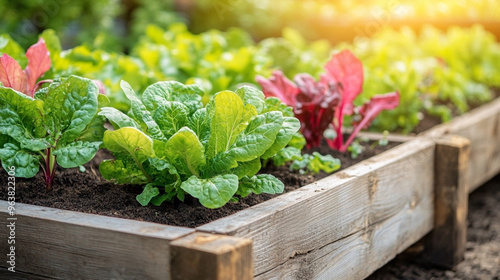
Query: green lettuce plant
pixel 175 145
pixel 59 126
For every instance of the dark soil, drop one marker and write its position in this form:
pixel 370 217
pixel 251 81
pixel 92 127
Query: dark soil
pixel 482 256
pixel 88 192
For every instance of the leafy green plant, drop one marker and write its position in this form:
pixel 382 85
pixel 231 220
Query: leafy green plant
pixel 59 126
pixel 175 145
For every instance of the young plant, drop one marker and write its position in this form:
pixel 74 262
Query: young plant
pixel 325 103
pixel 12 76
pixel 173 144
pixel 59 126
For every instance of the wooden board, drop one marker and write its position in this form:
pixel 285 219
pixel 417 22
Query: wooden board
pixel 212 257
pixel 346 225
pixel 482 127
pixel 60 244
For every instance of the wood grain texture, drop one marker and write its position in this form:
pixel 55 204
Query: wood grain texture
pixel 212 257
pixel 482 127
pixel 70 245
pixel 363 216
pixel 446 243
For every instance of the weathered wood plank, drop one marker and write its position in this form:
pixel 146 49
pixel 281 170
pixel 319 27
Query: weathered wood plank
pixel 482 127
pixel 312 219
pixel 70 245
pixel 5 274
pixel 212 257
pixel 446 244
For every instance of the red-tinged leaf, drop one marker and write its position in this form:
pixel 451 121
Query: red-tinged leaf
pixel 346 69
pixel 38 63
pixel 369 112
pixel 279 86
pixel 11 74
pixel 315 107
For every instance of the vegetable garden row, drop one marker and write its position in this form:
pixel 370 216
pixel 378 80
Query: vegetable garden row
pixel 198 118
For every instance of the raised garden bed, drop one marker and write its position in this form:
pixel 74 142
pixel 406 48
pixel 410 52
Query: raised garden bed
pixel 344 226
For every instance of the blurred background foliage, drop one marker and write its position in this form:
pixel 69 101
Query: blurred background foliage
pixel 115 25
pixel 222 44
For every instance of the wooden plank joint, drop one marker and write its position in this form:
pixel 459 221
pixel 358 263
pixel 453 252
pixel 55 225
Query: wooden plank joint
pixel 211 257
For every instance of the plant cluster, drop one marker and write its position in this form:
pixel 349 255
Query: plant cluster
pixel 323 104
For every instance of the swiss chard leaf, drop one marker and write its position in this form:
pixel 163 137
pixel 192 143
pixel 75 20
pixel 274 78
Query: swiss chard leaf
pixel 213 192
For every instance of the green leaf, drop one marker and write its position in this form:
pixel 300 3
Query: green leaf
pixel 247 168
pixel 122 171
pixel 252 143
pixel 141 113
pixel 158 93
pixel 290 126
pixel 70 106
pixel 298 141
pixel 185 152
pixel 229 117
pixel 275 104
pixel 200 124
pixel 76 153
pixel 94 131
pixel 12 125
pixel 262 183
pixel 131 141
pixel 21 119
pixel 285 155
pixel 26 164
pixel 214 192
pixel 147 194
pixel 253 96
pixel 117 118
pixel 326 163
pixel 170 117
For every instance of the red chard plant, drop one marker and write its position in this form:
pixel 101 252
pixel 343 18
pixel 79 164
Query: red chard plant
pixel 320 105
pixel 12 76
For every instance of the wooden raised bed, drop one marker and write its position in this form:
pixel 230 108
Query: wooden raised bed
pixel 342 227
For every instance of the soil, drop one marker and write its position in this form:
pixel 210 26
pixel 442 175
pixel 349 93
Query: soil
pixel 88 192
pixel 482 256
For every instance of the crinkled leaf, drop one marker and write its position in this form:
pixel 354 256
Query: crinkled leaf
pixel 76 153
pixel 147 194
pixel 229 117
pixel 200 124
pixel 130 141
pixel 117 118
pixel 122 171
pixel 141 113
pixel 70 106
pixel 26 164
pixel 262 183
pixel 214 192
pixel 38 63
pixel 253 96
pixel 185 152
pixel 170 117
pixel 161 92
pixel 12 125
